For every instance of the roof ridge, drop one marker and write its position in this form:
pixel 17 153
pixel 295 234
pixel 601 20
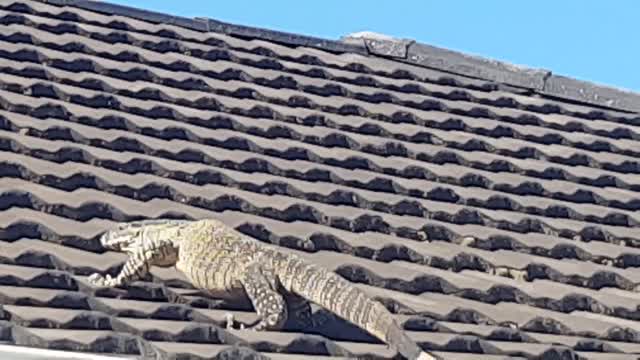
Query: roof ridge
pixel 511 77
pixel 541 81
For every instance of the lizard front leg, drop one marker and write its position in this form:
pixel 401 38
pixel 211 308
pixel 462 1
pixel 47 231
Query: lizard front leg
pixel 260 286
pixel 147 242
pixel 135 268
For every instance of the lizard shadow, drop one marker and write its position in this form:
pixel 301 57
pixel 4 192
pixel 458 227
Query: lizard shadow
pixel 323 322
pixel 333 327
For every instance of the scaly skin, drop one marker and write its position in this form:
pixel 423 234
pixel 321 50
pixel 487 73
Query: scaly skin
pixel 218 259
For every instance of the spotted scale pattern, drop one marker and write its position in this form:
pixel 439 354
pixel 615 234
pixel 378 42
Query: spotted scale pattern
pixel 217 258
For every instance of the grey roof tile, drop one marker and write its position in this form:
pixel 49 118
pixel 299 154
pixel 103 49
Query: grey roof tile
pixel 607 356
pixel 494 223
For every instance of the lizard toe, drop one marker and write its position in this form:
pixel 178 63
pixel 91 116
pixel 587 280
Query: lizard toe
pixel 232 324
pixel 96 279
pixel 230 319
pixel 260 326
pixel 100 280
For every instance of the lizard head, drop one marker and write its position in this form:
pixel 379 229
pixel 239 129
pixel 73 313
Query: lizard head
pixel 129 236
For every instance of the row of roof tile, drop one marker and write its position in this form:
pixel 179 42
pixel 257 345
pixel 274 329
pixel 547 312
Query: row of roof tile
pixel 492 223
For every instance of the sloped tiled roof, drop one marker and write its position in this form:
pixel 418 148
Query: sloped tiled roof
pixel 494 209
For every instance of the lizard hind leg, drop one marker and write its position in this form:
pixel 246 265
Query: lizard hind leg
pixel 261 287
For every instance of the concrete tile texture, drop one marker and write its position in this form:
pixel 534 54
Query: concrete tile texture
pixel 492 223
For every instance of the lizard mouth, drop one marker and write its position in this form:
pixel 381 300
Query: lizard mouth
pixel 129 236
pixel 126 237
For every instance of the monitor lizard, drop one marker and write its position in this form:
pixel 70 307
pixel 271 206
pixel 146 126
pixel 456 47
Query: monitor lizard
pixel 219 259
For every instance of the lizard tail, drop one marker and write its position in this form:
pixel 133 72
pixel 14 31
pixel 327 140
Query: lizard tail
pixel 347 301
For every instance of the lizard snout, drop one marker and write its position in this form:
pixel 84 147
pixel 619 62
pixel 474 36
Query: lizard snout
pixel 117 240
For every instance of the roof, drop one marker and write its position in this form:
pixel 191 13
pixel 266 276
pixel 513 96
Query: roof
pixel 492 208
pixel 14 352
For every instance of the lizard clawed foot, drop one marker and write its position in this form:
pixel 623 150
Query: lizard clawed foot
pixel 265 323
pixel 260 326
pixel 100 280
pixel 230 318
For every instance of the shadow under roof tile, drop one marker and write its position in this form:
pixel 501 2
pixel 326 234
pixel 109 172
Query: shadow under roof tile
pixel 249 117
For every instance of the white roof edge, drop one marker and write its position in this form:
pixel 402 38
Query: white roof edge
pixel 32 353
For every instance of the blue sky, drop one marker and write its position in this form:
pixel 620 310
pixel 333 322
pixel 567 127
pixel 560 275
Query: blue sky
pixel 587 39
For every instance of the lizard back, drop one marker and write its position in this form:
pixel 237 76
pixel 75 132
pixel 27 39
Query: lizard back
pixel 213 257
